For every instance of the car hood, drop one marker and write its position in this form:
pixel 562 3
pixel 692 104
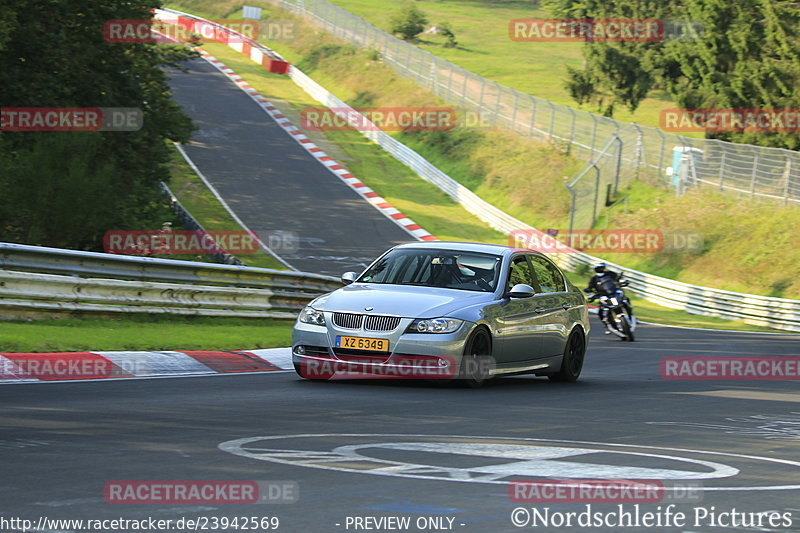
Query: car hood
pixel 400 300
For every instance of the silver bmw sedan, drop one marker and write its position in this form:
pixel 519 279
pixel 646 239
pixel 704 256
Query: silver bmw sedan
pixel 446 310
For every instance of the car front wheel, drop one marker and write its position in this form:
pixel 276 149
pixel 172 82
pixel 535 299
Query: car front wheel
pixel 474 363
pixel 572 362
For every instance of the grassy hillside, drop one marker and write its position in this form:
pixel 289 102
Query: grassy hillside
pixel 749 246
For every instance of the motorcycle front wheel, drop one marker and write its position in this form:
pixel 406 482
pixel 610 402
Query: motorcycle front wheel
pixel 625 327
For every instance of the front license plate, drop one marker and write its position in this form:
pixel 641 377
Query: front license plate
pixel 362 343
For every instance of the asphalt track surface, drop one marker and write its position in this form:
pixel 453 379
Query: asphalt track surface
pixel 273 184
pixel 61 442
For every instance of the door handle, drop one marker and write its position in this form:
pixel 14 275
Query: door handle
pixel 566 306
pixel 539 309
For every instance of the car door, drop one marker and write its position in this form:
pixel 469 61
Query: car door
pixel 552 305
pixel 516 319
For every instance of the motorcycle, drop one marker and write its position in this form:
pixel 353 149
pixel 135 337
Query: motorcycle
pixel 617 308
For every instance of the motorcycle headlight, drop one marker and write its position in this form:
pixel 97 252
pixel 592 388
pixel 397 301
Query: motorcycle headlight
pixel 614 301
pixel 309 315
pixel 434 325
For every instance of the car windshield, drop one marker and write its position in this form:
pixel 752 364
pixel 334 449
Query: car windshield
pixel 449 269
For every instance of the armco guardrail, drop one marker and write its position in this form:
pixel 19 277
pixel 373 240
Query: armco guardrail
pixel 778 313
pixel 38 278
pixel 47 292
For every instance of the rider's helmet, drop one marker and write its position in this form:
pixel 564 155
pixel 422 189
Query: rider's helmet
pixel 599 267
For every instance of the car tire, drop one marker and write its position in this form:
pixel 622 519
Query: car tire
pixel 477 349
pixel 572 362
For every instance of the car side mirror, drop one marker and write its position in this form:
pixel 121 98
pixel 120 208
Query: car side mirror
pixel 349 277
pixel 520 290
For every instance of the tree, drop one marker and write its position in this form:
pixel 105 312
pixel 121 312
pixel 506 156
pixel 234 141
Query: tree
pixel 408 22
pixel 746 55
pixel 67 188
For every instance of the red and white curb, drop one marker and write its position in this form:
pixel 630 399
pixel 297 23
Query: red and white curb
pixel 75 366
pixel 377 201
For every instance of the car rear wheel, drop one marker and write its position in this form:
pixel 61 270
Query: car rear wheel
pixel 572 362
pixel 474 363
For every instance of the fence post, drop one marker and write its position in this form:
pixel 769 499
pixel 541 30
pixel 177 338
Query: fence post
pixel 464 89
pixel 788 177
pixel 722 167
pixel 596 192
pixel 753 177
pixel 480 100
pixel 572 127
pixel 661 155
pixel 618 164
pixel 497 113
pixel 639 149
pixel 552 119
pixel 449 82
pixel 533 114
pixel 594 134
pixel 514 111
pixel 571 207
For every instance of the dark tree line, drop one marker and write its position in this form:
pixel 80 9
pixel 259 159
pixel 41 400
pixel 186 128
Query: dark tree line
pixel 66 189
pixel 745 55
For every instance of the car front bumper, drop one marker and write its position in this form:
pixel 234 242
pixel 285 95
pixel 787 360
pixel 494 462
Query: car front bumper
pixel 410 356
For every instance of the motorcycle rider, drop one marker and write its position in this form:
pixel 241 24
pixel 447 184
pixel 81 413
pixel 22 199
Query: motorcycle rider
pixel 596 287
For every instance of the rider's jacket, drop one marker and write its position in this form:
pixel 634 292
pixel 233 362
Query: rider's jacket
pixel 604 284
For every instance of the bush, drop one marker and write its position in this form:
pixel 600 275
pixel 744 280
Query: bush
pixel 408 22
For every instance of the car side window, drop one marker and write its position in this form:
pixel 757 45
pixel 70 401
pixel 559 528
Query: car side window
pixel 549 277
pixel 520 272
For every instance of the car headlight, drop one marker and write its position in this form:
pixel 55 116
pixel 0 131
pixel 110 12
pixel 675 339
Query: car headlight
pixel 434 325
pixel 309 315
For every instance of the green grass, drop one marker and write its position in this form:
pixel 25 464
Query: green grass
pixel 190 190
pixel 144 332
pixel 485 48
